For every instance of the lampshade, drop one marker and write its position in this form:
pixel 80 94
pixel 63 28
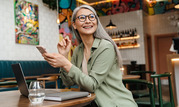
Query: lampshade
pixel 110 25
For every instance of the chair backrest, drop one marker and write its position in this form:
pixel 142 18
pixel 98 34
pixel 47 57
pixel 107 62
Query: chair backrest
pixel 142 72
pixel 158 77
pixel 144 82
pixel 143 75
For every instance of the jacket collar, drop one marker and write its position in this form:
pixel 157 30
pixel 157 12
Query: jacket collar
pixel 95 44
pixel 81 48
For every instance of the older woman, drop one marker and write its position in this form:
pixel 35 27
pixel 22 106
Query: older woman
pixel 95 61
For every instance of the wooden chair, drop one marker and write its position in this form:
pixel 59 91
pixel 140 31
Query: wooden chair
pixel 8 84
pixel 158 101
pixel 142 73
pixel 138 93
pixel 49 78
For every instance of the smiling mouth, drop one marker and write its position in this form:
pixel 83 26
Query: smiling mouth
pixel 87 27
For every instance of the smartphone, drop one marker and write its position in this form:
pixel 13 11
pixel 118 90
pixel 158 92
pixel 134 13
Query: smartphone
pixel 41 49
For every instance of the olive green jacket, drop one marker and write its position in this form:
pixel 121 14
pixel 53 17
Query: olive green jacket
pixel 104 76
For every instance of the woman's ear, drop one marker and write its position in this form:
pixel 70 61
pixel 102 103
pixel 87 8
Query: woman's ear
pixel 74 26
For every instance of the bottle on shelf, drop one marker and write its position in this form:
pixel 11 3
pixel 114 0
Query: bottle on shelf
pixel 125 33
pixel 135 41
pixel 113 35
pixel 118 44
pixel 130 33
pixel 121 34
pixel 118 34
pixel 135 32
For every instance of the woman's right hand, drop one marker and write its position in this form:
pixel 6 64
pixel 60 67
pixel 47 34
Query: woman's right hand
pixel 64 47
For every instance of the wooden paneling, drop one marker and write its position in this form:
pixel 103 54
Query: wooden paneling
pixel 162 47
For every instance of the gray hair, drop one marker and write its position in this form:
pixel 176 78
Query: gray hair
pixel 99 33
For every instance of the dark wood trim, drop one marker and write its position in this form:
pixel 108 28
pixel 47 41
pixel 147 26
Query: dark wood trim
pixel 148 54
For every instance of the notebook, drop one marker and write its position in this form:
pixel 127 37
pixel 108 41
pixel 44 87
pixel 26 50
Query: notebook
pixel 49 95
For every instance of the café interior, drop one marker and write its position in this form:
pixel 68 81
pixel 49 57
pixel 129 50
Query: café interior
pixel 145 31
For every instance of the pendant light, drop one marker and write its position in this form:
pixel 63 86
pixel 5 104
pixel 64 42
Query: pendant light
pixel 58 20
pixel 177 6
pixel 111 25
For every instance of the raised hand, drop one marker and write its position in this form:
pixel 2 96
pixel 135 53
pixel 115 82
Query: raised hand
pixel 57 60
pixel 64 47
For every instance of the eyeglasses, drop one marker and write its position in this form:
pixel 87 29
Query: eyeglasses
pixel 82 18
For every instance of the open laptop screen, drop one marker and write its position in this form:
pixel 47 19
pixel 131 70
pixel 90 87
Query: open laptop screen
pixel 21 82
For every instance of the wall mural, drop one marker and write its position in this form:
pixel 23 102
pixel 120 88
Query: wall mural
pixel 66 8
pixel 65 32
pixel 151 7
pixel 26 22
pixel 65 13
pixel 159 7
pixel 117 6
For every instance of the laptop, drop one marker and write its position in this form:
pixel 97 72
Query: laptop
pixel 49 95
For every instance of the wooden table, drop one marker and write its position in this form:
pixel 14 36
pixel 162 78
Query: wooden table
pixel 130 76
pixel 15 99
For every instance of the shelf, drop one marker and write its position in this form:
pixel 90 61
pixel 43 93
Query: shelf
pixel 127 47
pixel 126 38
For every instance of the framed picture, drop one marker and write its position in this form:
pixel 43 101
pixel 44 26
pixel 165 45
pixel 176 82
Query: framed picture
pixel 26 22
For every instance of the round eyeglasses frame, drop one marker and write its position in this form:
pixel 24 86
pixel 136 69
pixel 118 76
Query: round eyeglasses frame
pixel 85 16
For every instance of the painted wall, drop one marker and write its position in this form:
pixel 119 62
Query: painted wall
pixel 48 33
pixel 126 21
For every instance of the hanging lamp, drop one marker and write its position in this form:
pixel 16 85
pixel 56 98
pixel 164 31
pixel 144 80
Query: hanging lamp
pixel 111 25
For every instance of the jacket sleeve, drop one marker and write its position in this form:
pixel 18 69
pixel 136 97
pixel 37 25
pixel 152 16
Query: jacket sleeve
pixel 67 81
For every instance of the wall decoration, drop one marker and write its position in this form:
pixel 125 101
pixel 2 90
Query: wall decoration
pixel 118 6
pixel 65 16
pixel 153 7
pixel 26 22
pixel 65 32
pixel 121 6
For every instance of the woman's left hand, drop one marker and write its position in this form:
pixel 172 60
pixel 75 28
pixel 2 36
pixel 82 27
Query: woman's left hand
pixel 64 47
pixel 57 61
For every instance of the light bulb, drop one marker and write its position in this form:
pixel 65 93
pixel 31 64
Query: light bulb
pixel 58 21
pixel 177 6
